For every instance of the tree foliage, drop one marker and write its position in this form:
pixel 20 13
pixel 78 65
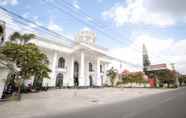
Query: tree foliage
pixel 134 77
pixel 112 73
pixel 182 79
pixel 27 56
pixel 21 39
pixel 165 76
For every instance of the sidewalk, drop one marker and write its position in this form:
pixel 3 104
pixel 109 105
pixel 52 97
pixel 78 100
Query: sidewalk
pixel 68 100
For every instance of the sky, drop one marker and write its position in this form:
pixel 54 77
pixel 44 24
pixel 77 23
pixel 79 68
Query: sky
pixel 122 26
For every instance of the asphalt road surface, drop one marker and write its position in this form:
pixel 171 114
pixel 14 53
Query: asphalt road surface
pixel 165 105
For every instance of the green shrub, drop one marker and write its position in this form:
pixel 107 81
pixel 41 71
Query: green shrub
pixel 136 77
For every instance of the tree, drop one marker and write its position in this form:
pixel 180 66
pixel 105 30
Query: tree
pixel 182 79
pixel 146 61
pixel 112 73
pixel 166 76
pixel 27 57
pixel 134 77
pixel 21 39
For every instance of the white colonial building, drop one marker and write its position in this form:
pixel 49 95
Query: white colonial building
pixel 80 64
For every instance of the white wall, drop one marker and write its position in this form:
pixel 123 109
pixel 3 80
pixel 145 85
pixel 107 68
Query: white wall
pixel 3 76
pixel 66 71
pixel 68 79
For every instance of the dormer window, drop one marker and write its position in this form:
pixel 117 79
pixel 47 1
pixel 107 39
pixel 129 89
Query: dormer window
pixel 61 62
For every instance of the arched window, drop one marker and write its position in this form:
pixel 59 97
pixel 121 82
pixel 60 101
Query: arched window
pixel 90 67
pixel 61 62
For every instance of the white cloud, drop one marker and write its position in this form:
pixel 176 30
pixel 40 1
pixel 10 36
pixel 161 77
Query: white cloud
pixel 54 27
pixel 135 12
pixel 76 4
pixel 89 19
pixel 12 25
pixel 159 50
pixel 99 1
pixel 174 7
pixel 26 14
pixel 8 2
pixel 86 29
pixel 35 17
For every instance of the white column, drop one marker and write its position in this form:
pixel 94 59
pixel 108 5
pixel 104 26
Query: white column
pixel 54 65
pixel 71 81
pixel 82 70
pixel 107 79
pixel 98 74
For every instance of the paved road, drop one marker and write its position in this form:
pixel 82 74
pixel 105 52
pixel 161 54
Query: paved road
pixel 166 105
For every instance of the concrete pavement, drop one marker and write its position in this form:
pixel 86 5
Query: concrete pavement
pixel 165 105
pixel 66 101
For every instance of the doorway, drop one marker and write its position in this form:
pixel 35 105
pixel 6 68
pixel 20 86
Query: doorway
pixel 90 81
pixel 59 80
pixel 76 74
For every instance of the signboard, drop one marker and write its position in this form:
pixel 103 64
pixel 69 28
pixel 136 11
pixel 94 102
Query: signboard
pixel 157 67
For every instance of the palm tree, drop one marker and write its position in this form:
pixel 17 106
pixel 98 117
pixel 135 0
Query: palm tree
pixel 22 39
pixel 27 37
pixel 16 36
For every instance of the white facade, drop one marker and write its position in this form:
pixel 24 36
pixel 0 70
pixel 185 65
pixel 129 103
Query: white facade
pixel 82 64
pixel 3 75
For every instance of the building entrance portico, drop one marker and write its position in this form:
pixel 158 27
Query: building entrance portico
pixel 82 64
pixel 88 69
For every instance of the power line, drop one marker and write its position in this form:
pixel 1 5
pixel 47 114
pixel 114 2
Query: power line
pixel 41 38
pixel 32 22
pixel 26 26
pixel 98 29
pixel 83 13
pixel 44 28
pixel 76 16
